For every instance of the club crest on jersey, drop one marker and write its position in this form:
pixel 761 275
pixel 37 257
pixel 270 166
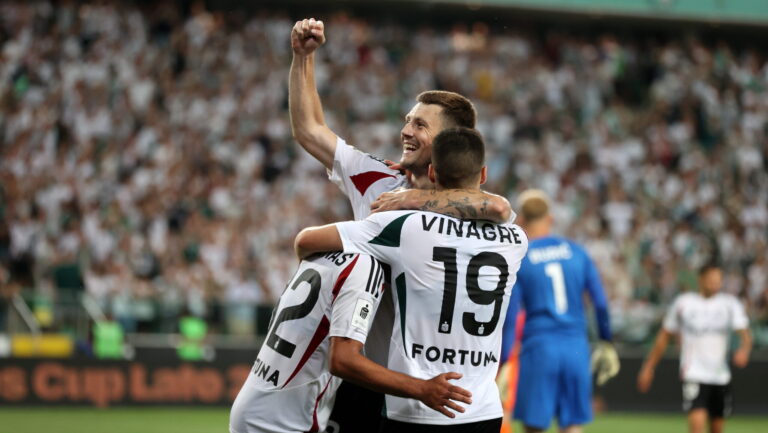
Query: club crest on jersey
pixel 361 316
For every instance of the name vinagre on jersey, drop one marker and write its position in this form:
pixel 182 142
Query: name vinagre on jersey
pixel 470 229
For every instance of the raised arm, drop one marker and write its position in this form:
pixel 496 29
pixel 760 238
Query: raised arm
pixel 459 203
pixel 348 363
pixel 307 120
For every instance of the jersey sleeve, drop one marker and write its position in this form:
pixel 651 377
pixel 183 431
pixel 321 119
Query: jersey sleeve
pixel 378 235
pixel 739 315
pixel 361 177
pixel 358 300
pixel 672 319
pixel 599 300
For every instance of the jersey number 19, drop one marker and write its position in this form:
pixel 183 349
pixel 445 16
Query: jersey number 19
pixel 475 293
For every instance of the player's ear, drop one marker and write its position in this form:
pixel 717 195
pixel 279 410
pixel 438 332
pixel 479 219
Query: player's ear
pixel 483 174
pixel 431 173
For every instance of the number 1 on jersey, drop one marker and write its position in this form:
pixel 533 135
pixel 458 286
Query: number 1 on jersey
pixel 554 271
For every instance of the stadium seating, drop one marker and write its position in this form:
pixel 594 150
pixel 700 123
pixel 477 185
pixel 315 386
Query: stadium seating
pixel 147 158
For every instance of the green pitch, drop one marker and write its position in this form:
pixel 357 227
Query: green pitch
pixel 206 420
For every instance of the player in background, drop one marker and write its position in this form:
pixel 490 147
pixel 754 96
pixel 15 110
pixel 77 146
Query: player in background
pixel 555 379
pixel 704 321
pixel 290 388
pixel 368 183
pixel 452 282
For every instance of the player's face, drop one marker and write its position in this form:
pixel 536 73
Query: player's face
pixel 711 281
pixel 422 124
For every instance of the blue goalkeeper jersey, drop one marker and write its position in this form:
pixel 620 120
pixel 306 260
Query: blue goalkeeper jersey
pixel 550 288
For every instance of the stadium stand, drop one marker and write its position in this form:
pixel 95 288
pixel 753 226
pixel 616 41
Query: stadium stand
pixel 146 156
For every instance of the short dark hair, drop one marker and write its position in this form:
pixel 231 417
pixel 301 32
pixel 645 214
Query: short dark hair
pixel 457 109
pixel 709 266
pixel 458 156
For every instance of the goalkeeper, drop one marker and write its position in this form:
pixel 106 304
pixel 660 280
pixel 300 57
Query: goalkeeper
pixel 554 361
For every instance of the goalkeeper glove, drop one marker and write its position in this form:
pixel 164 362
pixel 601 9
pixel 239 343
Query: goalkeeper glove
pixel 502 381
pixel 605 362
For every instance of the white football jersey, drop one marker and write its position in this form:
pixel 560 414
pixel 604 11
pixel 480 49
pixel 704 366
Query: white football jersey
pixel 290 388
pixel 704 325
pixel 452 281
pixel 362 177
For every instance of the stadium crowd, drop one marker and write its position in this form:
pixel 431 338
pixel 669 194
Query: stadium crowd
pixel 146 154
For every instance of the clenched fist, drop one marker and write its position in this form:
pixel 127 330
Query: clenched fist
pixel 307 35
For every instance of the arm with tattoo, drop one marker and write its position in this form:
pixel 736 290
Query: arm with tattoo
pixel 459 203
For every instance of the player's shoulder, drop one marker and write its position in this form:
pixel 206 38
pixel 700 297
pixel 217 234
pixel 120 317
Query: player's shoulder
pixel 548 240
pixel 347 152
pixel 392 215
pixel 727 298
pixel 332 262
pixel 575 246
pixel 556 247
pixel 685 298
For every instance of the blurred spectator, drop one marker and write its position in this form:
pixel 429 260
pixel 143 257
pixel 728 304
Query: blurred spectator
pixel 146 155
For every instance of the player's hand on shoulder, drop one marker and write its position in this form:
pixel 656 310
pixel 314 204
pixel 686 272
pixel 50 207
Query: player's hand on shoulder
pixel 440 395
pixel 398 199
pixel 307 36
pixel 394 166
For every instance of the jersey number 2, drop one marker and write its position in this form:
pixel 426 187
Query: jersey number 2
pixel 476 294
pixel 285 347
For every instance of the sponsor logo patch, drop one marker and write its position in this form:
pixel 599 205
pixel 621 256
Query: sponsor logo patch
pixel 361 316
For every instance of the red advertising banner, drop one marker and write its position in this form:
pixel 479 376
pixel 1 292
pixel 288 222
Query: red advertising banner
pixel 101 384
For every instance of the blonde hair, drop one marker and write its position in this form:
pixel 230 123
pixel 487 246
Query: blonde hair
pixel 533 205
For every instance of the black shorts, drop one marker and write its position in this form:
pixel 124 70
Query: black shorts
pixel 716 399
pixel 356 410
pixel 487 426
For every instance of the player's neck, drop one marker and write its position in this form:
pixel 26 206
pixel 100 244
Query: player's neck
pixel 537 230
pixel 420 180
pixel 438 187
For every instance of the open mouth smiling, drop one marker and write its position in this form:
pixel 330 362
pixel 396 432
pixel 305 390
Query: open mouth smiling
pixel 409 147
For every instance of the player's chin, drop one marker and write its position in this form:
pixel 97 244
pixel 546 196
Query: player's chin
pixel 407 160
